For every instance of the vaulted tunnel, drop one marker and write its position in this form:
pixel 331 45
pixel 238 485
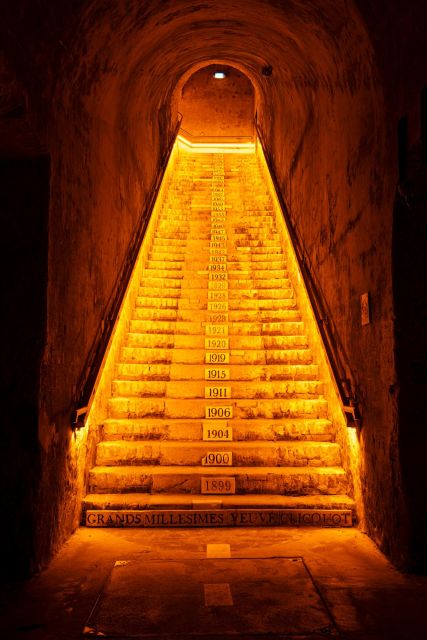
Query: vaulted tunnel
pixel 104 97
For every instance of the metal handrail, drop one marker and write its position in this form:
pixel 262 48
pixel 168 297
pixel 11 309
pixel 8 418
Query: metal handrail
pixel 87 381
pixel 334 351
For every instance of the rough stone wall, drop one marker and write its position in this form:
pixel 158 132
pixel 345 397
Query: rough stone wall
pixel 97 81
pixel 212 107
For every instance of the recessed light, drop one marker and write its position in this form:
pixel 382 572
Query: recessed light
pixel 219 75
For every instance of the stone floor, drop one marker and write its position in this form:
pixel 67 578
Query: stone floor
pixel 340 586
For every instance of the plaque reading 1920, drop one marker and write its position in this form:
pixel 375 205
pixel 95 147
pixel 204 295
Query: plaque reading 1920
pixel 223 485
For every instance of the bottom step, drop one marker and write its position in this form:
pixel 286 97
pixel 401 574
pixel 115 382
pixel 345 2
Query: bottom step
pixel 144 511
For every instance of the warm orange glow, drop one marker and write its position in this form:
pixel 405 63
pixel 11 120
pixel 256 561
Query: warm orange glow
pixel 216 375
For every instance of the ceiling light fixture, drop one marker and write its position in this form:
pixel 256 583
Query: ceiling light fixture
pixel 219 75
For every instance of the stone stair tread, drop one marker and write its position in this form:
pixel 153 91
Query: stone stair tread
pixel 151 451
pixel 152 469
pixel 185 501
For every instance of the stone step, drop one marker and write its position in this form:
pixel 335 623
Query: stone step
pixel 130 371
pixel 249 409
pixel 247 389
pixel 261 316
pixel 243 454
pixel 182 341
pixel 184 510
pixel 165 355
pixel 139 501
pixel 248 480
pixel 187 294
pixel 187 327
pixel 315 429
pixel 184 285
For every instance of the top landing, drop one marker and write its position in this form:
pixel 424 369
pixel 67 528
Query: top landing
pixel 205 144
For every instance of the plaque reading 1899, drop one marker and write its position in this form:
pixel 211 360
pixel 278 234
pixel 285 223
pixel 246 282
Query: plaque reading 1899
pixel 218 485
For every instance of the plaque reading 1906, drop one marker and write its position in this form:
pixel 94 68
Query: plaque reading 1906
pixel 218 411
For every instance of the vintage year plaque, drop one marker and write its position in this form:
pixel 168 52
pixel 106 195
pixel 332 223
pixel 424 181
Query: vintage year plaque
pixel 218 317
pixel 217 431
pixel 217 374
pixel 217 238
pixel 221 305
pixel 217 267
pixel 217 295
pixel 217 244
pixel 217 392
pixel 218 411
pixel 216 330
pixel 217 358
pixel 218 459
pixel 217 343
pixel 218 284
pixel 225 485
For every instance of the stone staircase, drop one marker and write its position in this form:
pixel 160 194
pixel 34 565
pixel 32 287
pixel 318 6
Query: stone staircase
pixel 217 415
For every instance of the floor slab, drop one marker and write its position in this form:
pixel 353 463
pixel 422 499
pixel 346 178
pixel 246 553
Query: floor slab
pixel 366 597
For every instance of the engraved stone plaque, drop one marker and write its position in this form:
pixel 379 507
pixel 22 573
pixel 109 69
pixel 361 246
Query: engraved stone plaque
pixel 218 317
pixel 217 374
pixel 218 459
pixel 223 486
pixel 218 284
pixel 218 305
pixel 218 411
pixel 217 431
pixel 216 357
pixel 217 392
pixel 216 330
pixel 217 343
